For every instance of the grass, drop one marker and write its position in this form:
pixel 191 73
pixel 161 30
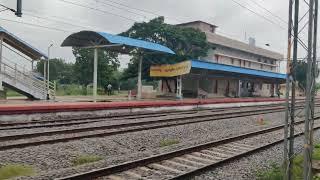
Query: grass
pixel 168 142
pixel 15 170
pixel 276 172
pixel 85 159
pixel 11 93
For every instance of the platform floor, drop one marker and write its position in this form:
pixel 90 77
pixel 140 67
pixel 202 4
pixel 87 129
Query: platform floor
pixel 22 107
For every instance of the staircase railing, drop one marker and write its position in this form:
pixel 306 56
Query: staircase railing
pixel 28 80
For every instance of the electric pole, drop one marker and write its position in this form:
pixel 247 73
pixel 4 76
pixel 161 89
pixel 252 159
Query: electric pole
pixel 286 130
pixel 291 79
pixel 310 90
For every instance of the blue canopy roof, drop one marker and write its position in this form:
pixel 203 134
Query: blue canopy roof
pixel 121 43
pixel 238 70
pixel 21 45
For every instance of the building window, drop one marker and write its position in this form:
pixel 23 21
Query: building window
pixel 244 64
pixel 271 62
pixel 261 66
pixel 249 64
pixel 266 61
pixel 232 61
pixel 259 60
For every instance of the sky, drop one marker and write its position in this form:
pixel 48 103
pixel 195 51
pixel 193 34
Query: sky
pixel 46 22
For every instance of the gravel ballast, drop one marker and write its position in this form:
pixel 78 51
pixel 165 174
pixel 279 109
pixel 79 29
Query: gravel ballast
pixel 51 160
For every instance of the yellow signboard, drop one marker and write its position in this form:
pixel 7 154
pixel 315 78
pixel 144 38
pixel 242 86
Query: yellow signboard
pixel 170 70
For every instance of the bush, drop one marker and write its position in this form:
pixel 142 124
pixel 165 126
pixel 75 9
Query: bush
pixel 85 159
pixel 276 172
pixel 168 142
pixel 15 170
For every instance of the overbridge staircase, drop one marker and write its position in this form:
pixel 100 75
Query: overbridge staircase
pixel 26 83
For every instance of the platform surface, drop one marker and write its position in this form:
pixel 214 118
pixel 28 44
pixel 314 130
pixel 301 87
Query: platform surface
pixel 45 107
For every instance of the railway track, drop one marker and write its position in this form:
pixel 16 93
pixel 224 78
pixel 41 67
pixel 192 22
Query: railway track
pixel 185 163
pixel 86 120
pixel 70 134
pixel 56 136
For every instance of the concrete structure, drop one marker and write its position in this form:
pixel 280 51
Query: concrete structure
pixel 227 51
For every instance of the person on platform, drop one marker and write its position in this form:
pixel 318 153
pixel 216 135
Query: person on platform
pixel 109 89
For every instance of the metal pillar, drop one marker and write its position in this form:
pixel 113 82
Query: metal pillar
pixel 95 74
pixel 139 78
pixel 293 87
pixel 315 68
pixel 32 65
pixel 1 42
pixel 44 71
pixel 179 87
pixel 239 88
pixel 48 70
pixel 307 149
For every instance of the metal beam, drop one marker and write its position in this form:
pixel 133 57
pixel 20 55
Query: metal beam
pixel 293 87
pixel 95 74
pixel 307 149
pixel 286 128
pixel 139 78
pixel 315 69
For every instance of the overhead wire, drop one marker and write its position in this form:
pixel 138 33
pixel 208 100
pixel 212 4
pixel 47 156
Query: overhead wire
pixel 96 9
pixel 269 11
pixel 261 16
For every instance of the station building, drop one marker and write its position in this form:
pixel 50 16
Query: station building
pixel 231 69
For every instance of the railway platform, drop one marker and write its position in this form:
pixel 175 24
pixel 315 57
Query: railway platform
pixel 54 107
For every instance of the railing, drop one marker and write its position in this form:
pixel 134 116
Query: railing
pixel 28 80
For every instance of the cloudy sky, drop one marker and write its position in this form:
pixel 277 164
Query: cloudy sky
pixel 51 21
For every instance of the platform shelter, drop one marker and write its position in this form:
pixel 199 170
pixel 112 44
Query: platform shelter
pixel 200 78
pixel 114 43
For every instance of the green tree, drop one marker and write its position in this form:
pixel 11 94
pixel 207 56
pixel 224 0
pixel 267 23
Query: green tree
pixel 301 74
pixel 187 43
pixel 59 70
pixel 108 63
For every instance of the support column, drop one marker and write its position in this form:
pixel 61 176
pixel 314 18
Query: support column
pixel 44 71
pixel 239 88
pixel 139 79
pixel 95 74
pixel 179 87
pixel 1 42
pixel 272 90
pixel 32 65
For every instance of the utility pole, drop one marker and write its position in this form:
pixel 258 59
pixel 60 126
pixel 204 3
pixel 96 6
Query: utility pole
pixel 291 78
pixel 307 153
pixel 293 86
pixel 315 69
pixel 286 130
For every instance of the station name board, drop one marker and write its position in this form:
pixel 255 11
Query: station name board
pixel 170 70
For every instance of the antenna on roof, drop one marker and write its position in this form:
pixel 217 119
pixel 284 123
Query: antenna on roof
pixel 19 8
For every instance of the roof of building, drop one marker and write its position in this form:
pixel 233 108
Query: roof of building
pixel 238 70
pixel 235 44
pixel 21 45
pixel 194 22
pixel 115 42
